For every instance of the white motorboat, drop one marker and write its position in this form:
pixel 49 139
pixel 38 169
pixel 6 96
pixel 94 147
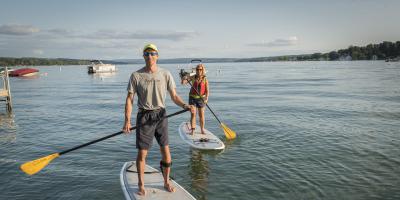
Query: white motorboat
pixel 97 66
pixel 192 70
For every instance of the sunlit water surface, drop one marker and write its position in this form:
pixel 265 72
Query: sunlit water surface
pixel 306 130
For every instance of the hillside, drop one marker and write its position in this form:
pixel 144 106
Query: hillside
pixel 383 51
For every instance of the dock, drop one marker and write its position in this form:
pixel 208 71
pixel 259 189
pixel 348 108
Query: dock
pixel 5 91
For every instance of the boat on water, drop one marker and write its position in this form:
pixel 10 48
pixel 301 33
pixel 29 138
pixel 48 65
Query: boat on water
pixel 191 71
pixel 97 67
pixel 24 72
pixel 397 59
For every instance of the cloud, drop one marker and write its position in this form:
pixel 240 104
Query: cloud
pixel 70 42
pixel 18 30
pixel 140 35
pixel 61 32
pixel 96 44
pixel 291 41
pixel 38 52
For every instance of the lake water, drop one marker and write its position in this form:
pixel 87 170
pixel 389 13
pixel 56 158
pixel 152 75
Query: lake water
pixel 306 130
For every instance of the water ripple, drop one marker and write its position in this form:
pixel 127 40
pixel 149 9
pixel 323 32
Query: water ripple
pixel 306 130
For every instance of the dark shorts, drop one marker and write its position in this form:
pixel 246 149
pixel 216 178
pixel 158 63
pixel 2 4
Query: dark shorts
pixel 149 125
pixel 196 102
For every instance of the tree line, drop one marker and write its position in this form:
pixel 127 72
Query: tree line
pixel 7 61
pixel 382 51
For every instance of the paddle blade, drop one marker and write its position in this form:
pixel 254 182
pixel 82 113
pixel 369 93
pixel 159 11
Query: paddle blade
pixel 228 132
pixel 34 166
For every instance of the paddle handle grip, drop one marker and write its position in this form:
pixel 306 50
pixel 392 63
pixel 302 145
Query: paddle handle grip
pixel 114 134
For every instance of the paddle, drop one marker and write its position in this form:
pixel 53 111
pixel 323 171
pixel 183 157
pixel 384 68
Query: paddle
pixel 229 133
pixel 34 166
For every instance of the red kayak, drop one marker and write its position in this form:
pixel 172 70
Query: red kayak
pixel 24 72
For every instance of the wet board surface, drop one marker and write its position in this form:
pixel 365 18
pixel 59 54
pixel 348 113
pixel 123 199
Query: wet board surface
pixel 207 141
pixel 153 183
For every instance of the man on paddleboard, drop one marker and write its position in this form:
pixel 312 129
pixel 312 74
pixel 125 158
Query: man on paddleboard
pixel 151 84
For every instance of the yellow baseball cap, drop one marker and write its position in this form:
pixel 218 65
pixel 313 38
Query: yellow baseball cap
pixel 150 46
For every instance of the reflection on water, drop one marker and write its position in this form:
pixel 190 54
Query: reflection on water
pixel 103 75
pixel 5 160
pixel 34 76
pixel 199 168
pixel 199 171
pixel 230 143
pixel 7 128
pixel 7 121
pixel 306 130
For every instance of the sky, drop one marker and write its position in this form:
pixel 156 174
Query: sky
pixel 118 29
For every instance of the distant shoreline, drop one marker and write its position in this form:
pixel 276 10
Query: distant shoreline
pixel 388 51
pixel 168 62
pixel 183 61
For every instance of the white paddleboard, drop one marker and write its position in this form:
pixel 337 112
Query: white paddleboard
pixel 153 182
pixel 207 141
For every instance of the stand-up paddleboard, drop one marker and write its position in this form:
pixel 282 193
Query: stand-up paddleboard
pixel 207 141
pixel 153 182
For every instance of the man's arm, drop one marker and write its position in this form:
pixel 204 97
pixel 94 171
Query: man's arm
pixel 179 102
pixel 128 112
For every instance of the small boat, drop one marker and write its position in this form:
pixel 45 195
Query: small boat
pixel 397 59
pixel 192 70
pixel 24 72
pixel 97 66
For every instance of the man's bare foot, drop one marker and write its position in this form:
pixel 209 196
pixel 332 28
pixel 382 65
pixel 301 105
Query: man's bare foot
pixel 202 132
pixel 169 187
pixel 142 191
pixel 192 131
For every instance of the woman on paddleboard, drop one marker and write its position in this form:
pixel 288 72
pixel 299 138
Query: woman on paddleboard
pixel 198 95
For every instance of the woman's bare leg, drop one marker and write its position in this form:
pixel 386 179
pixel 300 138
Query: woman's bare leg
pixel 202 120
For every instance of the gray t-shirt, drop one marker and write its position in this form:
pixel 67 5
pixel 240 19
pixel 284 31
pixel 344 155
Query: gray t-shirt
pixel 151 88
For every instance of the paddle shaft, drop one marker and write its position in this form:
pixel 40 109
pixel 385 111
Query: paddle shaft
pixel 197 92
pixel 112 135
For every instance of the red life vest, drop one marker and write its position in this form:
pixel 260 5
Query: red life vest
pixel 200 87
